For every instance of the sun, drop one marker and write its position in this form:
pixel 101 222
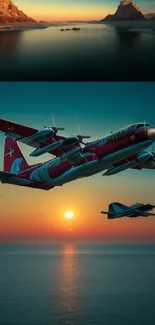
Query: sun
pixel 69 214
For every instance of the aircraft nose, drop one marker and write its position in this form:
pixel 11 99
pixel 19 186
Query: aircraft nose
pixel 151 134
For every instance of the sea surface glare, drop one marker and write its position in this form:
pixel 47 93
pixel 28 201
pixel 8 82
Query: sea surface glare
pixel 77 284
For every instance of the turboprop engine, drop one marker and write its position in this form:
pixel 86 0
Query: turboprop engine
pixel 40 135
pixel 71 141
pixel 142 158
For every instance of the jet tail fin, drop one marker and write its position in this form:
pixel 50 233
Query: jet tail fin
pixel 117 207
pixel 114 209
pixel 14 160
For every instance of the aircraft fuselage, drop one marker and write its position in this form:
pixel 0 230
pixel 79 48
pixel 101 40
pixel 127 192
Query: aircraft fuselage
pixel 98 156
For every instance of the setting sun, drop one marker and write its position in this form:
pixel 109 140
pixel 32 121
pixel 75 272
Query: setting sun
pixel 69 214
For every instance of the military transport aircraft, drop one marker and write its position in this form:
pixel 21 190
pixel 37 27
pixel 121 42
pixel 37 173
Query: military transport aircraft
pixel 113 153
pixel 118 210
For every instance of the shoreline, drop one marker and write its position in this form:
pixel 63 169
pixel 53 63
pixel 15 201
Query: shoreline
pixel 118 25
pixel 22 27
pixel 139 25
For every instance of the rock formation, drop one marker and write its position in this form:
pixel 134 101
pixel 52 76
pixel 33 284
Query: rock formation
pixel 126 11
pixel 150 16
pixel 9 13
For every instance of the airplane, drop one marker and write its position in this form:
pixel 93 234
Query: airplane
pixel 114 153
pixel 45 176
pixel 118 210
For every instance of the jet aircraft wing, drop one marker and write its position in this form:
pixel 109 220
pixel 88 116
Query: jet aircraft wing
pixel 143 213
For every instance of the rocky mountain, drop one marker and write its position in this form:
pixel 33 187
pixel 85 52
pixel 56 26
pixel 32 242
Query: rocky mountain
pixel 126 11
pixel 150 16
pixel 9 13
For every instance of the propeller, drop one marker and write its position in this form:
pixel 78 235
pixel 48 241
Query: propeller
pixel 55 128
pixel 80 136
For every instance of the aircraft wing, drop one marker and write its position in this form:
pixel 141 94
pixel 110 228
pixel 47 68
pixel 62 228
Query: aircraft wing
pixel 16 131
pixel 45 140
pixel 26 134
pixel 11 178
pixel 4 176
pixel 143 213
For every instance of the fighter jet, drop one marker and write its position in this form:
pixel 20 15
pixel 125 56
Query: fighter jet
pixel 118 210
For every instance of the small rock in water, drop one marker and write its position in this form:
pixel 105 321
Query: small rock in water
pixel 75 28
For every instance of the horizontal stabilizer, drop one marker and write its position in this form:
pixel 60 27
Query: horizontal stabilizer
pixel 143 213
pixel 5 176
pixel 19 181
pixel 110 214
pixel 11 178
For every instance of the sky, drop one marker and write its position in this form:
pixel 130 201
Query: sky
pixel 75 9
pixel 29 215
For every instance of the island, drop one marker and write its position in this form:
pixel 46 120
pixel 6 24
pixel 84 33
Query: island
pixel 12 18
pixel 129 17
pixel 126 11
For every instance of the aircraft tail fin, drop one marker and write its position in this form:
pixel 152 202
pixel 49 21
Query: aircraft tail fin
pixel 14 160
pixel 116 207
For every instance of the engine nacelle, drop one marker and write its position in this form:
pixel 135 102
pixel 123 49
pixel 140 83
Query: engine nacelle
pixel 116 170
pixel 71 141
pixel 144 157
pixel 71 154
pixel 51 147
pixel 44 133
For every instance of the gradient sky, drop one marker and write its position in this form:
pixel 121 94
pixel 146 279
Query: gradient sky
pixel 75 9
pixel 34 215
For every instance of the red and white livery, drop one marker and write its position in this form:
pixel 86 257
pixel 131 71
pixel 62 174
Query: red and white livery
pixel 113 153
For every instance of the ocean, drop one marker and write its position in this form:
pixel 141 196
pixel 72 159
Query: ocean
pixel 97 52
pixel 76 284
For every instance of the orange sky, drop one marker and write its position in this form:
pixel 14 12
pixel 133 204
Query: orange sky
pixel 40 215
pixel 62 10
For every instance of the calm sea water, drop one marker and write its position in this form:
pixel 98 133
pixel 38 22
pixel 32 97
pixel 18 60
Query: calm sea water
pixel 97 52
pixel 77 285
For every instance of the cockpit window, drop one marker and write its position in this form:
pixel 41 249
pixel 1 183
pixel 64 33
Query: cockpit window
pixel 131 128
pixel 141 125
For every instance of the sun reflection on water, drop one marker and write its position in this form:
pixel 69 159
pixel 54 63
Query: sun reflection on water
pixel 68 282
